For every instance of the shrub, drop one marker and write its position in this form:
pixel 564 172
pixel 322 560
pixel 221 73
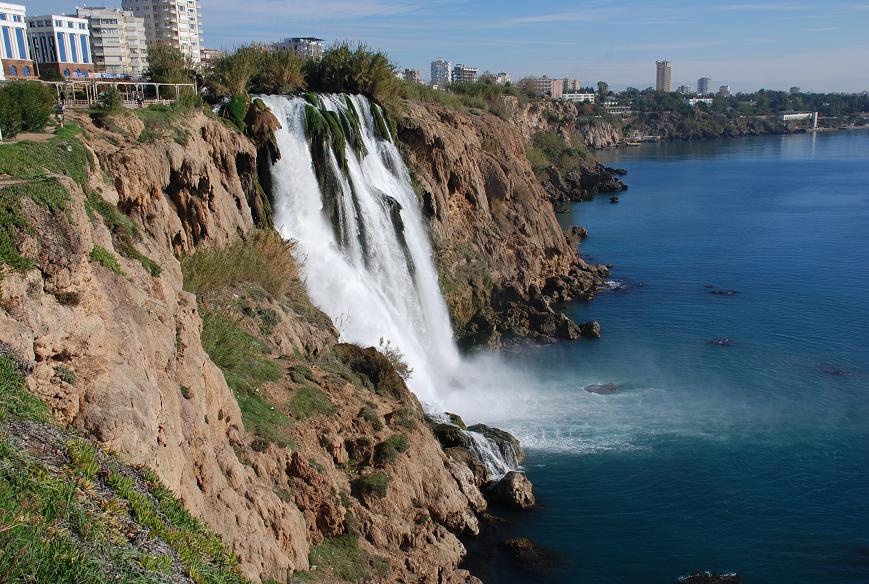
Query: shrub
pixel 111 100
pixel 66 374
pixel 376 483
pixel 25 106
pixel 353 69
pixel 263 259
pixel 231 74
pixel 396 358
pixel 280 71
pixel 105 258
pixel 388 450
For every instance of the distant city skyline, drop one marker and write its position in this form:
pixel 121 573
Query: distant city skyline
pixel 776 44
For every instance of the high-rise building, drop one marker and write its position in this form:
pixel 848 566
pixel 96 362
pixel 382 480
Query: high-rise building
pixel 412 76
pixel 794 90
pixel 703 85
pixel 441 73
pixel 464 74
pixel 61 43
pixel 664 76
pixel 305 47
pixel 117 41
pixel 572 86
pixel 724 91
pixel 176 23
pixel 14 50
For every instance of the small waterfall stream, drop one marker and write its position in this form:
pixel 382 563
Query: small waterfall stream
pixel 361 240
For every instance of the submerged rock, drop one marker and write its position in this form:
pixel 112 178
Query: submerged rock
pixel 721 342
pixel 831 369
pixel 614 200
pixel 721 291
pixel 602 388
pixel 531 557
pixel 513 490
pixel 709 578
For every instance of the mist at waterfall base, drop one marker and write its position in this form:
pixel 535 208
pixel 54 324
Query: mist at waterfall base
pixel 752 457
pixel 374 274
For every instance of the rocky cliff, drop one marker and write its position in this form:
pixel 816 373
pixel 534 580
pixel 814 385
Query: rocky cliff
pixel 301 452
pixel 504 260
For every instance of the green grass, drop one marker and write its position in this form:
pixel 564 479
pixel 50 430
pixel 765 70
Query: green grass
pixel 343 556
pixel 301 373
pixel 68 520
pixel 246 367
pixel 63 154
pixel 124 231
pixel 105 258
pixel 15 400
pixel 263 259
pixel 370 415
pixel 310 401
pixel 45 192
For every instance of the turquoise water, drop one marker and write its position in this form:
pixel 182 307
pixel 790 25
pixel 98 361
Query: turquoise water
pixel 752 457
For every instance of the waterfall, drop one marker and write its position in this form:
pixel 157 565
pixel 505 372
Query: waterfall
pixel 369 266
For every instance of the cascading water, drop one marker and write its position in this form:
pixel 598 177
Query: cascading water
pixel 361 241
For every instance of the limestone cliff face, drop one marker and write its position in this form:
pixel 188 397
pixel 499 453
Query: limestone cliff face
pixel 498 244
pixel 145 388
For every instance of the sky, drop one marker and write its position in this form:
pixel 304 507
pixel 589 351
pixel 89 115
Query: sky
pixel 818 46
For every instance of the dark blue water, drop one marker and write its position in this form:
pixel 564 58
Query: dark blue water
pixel 752 457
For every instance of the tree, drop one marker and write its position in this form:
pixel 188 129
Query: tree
pixel 602 90
pixel 166 64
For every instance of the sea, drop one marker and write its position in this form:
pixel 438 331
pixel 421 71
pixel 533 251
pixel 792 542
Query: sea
pixel 736 330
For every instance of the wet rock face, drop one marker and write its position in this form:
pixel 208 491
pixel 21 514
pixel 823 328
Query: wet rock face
pixel 508 444
pixel 514 490
pixel 590 329
pixel 602 388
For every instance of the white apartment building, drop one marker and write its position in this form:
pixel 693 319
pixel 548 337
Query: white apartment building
pixel 305 47
pixel 464 74
pixel 14 48
pixel 177 23
pixel 117 41
pixel 503 78
pixel 62 43
pixel 692 101
pixel 441 73
pixel 579 97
